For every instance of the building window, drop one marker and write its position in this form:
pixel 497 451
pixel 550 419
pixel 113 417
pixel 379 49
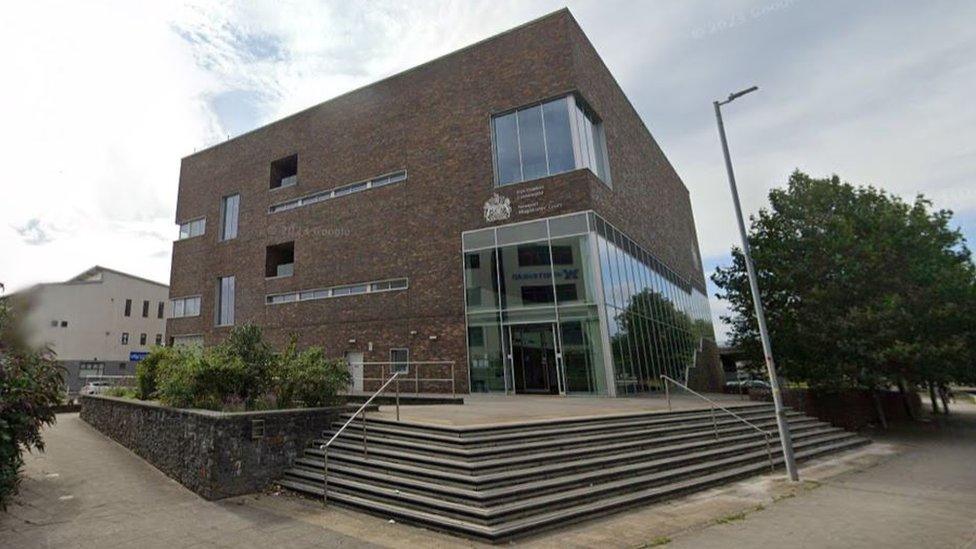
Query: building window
pixel 64 323
pixel 186 306
pixel 329 194
pixel 229 211
pixel 533 255
pixel 400 360
pixel 160 309
pixel 339 291
pixel 546 139
pixel 128 307
pixel 225 301
pixel 90 369
pixel 125 338
pixel 284 172
pixel 193 228
pixel 145 309
pixel 187 341
pixel 279 260
pixel 159 339
pixel 142 339
pixel 476 336
pixel 54 323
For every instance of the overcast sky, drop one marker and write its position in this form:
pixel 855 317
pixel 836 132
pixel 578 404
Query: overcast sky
pixel 100 101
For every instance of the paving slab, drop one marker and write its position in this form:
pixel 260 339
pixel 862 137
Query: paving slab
pixel 486 410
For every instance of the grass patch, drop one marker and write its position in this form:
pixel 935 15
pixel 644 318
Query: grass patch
pixel 659 541
pixel 727 519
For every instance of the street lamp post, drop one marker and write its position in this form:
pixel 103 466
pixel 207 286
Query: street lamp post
pixel 784 428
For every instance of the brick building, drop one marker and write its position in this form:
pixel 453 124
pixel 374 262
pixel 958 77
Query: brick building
pixel 502 207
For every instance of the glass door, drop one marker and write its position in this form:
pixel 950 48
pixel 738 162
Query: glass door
pixel 533 354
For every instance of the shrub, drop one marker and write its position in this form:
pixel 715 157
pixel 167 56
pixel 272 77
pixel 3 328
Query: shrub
pixel 196 378
pixel 309 377
pixel 31 383
pixel 253 361
pixel 245 374
pixel 122 392
pixel 147 370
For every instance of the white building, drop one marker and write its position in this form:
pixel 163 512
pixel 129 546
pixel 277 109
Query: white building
pixel 100 322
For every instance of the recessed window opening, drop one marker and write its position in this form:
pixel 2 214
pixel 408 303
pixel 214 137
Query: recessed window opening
pixel 284 172
pixel 280 260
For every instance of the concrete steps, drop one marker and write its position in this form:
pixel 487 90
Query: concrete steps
pixel 501 482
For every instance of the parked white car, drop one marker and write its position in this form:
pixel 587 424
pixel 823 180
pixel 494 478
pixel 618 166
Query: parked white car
pixel 95 388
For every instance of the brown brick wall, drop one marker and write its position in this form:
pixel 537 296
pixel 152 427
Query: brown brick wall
pixel 434 122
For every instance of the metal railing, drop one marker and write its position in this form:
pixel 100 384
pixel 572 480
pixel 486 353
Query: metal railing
pixel 416 379
pixel 714 406
pixel 362 413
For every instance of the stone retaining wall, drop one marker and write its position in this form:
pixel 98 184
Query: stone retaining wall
pixel 215 454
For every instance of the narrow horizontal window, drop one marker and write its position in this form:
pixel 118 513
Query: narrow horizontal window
pixel 321 196
pixel 193 228
pixel 186 306
pixel 338 291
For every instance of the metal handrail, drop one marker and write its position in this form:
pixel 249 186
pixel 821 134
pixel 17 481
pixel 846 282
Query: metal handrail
pixel 715 405
pixel 416 379
pixel 360 412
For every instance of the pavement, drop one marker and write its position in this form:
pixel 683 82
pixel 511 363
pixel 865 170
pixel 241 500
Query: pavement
pixel 915 487
pixel 925 496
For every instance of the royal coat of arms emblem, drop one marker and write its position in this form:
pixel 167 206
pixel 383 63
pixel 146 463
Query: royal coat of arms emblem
pixel 497 208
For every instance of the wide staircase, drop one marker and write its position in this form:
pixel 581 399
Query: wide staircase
pixel 496 483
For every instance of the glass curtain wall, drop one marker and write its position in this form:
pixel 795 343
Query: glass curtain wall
pixel 565 273
pixel 539 274
pixel 656 320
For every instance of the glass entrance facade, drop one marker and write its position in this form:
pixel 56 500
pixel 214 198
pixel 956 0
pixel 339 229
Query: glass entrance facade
pixel 569 305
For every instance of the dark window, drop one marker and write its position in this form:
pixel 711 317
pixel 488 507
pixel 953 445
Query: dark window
pixel 400 359
pixel 64 323
pixel 543 293
pixel 533 255
pixel 476 336
pixel 473 261
pixel 142 339
pixel 145 309
pixel 566 292
pixel 562 255
pixel 160 309
pixel 284 172
pixel 473 296
pixel 537 294
pixel 54 323
pixel 159 339
pixel 125 338
pixel 128 307
pixel 280 260
pixel 572 334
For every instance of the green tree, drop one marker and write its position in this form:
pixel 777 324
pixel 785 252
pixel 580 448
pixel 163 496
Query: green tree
pixel 31 384
pixel 861 289
pixel 653 331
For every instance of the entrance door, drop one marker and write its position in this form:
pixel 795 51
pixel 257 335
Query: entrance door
pixel 534 358
pixel 355 360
